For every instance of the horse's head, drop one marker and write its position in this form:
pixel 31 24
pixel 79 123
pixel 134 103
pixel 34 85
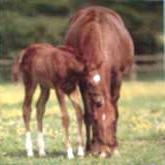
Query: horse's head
pixel 72 64
pixel 70 68
pixel 94 85
pixel 104 129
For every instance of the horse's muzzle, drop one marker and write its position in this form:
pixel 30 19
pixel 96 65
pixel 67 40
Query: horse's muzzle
pixel 97 100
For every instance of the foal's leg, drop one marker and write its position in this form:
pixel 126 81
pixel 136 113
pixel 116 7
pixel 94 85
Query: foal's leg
pixel 40 106
pixel 29 91
pixel 65 121
pixel 76 104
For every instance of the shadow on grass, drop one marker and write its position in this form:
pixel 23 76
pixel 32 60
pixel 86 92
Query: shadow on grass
pixel 18 105
pixel 16 154
pixel 22 154
pixel 10 106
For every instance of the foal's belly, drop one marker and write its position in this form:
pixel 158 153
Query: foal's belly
pixel 45 82
pixel 48 84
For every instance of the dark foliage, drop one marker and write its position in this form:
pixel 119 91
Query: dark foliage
pixel 29 21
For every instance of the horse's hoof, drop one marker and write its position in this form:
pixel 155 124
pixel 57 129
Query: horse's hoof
pixel 103 155
pixel 80 151
pixel 42 154
pixel 117 153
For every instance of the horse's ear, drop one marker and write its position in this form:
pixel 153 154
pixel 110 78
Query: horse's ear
pixel 79 68
pixel 99 64
pixel 95 66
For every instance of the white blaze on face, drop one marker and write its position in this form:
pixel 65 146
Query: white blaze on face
pixel 96 78
pixel 103 117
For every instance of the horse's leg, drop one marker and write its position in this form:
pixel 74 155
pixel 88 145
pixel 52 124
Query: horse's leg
pixel 87 116
pixel 29 91
pixel 116 78
pixel 40 106
pixel 65 121
pixel 76 104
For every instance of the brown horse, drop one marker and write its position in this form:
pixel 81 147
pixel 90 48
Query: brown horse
pixel 103 44
pixel 55 68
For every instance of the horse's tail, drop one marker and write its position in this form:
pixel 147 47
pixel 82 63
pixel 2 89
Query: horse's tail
pixel 16 70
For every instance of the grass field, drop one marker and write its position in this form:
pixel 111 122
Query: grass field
pixel 141 128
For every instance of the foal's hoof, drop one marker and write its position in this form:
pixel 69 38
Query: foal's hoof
pixel 30 154
pixel 70 154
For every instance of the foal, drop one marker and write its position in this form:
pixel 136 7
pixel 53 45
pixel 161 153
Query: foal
pixel 55 68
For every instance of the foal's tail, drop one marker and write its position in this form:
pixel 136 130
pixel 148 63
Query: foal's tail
pixel 16 70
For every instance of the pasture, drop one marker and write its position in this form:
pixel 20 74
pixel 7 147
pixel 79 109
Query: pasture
pixel 141 128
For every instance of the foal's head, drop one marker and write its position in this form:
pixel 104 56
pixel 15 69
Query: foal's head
pixel 72 64
pixel 71 68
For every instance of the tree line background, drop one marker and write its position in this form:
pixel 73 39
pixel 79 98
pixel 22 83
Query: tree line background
pixel 27 21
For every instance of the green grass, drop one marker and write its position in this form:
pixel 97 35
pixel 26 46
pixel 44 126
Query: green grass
pixel 141 128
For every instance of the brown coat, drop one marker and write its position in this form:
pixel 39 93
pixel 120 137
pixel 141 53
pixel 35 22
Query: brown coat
pixel 103 44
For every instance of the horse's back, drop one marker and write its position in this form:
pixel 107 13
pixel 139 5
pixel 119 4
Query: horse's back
pixel 99 30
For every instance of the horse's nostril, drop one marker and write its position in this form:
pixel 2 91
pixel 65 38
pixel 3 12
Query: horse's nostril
pixel 99 104
pixel 99 101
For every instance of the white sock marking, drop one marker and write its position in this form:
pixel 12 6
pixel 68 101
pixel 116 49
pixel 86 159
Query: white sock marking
pixel 29 145
pixel 80 151
pixel 41 144
pixel 70 153
pixel 103 116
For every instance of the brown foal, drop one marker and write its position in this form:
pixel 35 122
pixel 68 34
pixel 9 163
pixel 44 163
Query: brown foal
pixel 50 67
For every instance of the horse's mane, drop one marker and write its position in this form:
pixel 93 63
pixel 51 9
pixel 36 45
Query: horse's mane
pixel 91 14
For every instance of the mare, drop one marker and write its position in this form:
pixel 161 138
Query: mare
pixel 105 47
pixel 49 67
